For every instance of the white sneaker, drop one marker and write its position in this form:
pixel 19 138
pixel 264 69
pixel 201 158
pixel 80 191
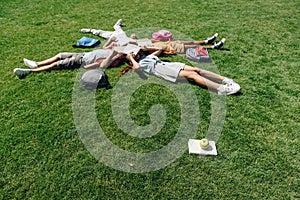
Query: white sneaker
pixel 119 22
pixel 30 63
pixel 21 72
pixel 228 81
pixel 229 89
pixel 85 30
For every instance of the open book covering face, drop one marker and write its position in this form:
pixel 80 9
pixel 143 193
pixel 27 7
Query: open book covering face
pixel 128 49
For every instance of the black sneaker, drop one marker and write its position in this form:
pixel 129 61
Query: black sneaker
pixel 219 44
pixel 211 39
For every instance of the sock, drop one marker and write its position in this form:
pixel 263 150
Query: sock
pixel 225 80
pixel 228 81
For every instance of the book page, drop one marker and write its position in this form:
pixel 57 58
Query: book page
pixel 128 49
pixel 144 42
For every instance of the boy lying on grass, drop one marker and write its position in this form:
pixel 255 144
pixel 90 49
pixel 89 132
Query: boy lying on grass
pixel 99 58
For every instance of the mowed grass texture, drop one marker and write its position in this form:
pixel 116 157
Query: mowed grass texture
pixel 43 157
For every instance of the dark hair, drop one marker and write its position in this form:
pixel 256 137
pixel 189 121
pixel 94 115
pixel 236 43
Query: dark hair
pixel 128 67
pixel 118 62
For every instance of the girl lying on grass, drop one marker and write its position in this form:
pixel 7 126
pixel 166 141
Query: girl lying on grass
pixel 174 71
pixel 171 47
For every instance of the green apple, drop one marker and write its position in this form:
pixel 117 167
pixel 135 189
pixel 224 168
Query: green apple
pixel 204 143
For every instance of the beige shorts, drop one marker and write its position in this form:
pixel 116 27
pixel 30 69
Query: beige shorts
pixel 172 47
pixel 70 60
pixel 177 46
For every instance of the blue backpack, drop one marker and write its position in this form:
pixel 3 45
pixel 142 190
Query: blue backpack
pixel 86 42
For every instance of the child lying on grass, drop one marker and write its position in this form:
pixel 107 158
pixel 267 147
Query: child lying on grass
pixel 174 71
pixel 99 58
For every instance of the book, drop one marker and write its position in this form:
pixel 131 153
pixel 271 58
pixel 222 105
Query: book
pixel 194 148
pixel 130 48
pixel 143 42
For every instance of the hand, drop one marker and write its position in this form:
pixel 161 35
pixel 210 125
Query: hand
pixel 129 56
pixel 113 38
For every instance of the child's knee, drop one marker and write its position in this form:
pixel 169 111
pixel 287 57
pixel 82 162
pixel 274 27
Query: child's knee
pixel 133 36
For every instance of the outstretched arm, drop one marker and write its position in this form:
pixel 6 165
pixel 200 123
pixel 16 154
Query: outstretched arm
pixel 103 63
pixel 157 53
pixel 110 43
pixel 92 65
pixel 135 65
pixel 107 61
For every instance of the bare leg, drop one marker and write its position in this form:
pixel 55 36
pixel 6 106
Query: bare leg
pixel 211 75
pixel 190 68
pixel 193 42
pixel 186 46
pixel 209 40
pixel 49 61
pixel 207 74
pixel 199 80
pixel 207 79
pixel 45 68
pixel 215 46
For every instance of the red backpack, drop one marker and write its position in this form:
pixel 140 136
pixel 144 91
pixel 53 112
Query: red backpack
pixel 198 54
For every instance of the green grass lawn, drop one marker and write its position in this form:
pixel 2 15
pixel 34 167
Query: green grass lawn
pixel 43 157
